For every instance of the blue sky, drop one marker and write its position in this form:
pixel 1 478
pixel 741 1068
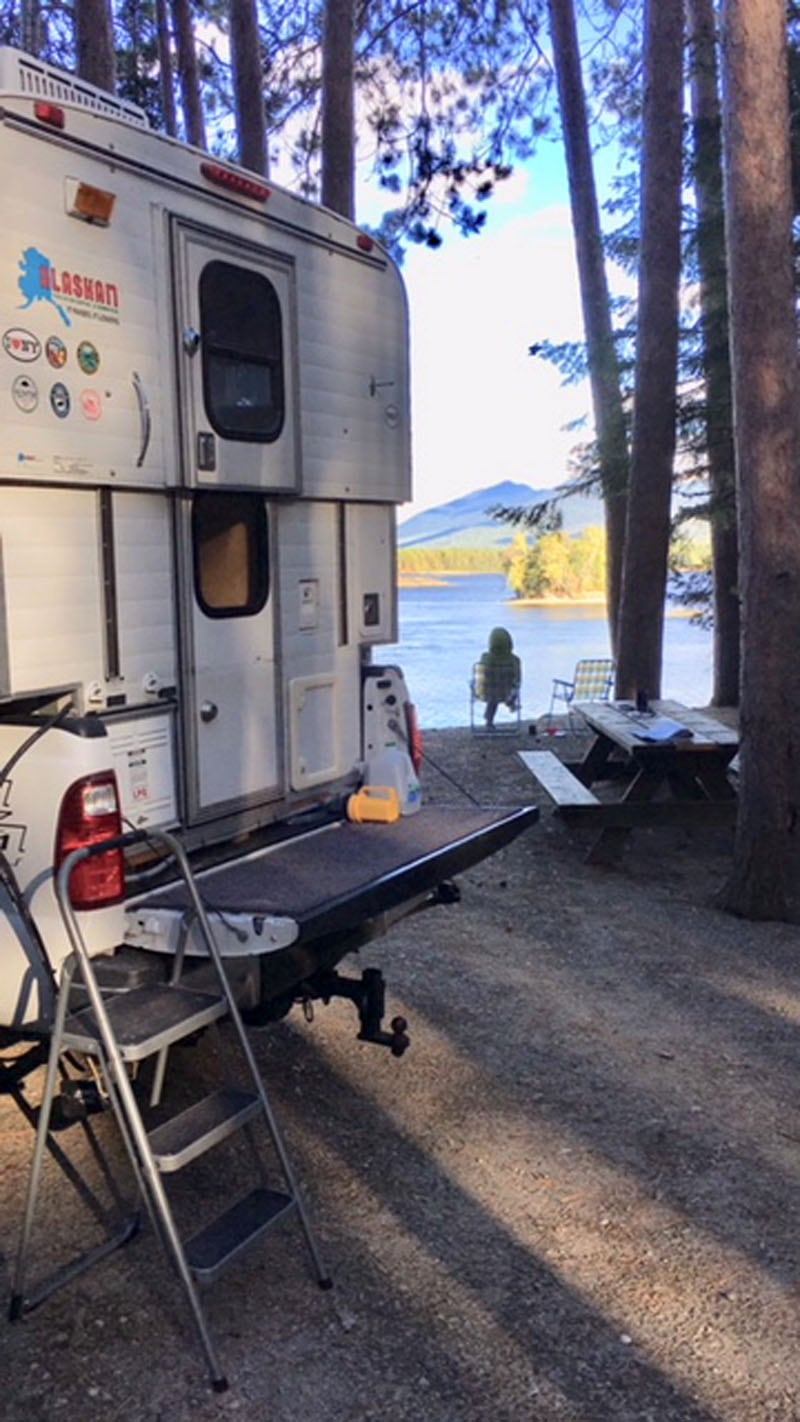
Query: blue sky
pixel 483 409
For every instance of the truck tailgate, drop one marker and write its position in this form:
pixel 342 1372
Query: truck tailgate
pixel 331 879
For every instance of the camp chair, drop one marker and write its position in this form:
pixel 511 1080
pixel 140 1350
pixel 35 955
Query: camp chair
pixel 592 680
pixel 501 683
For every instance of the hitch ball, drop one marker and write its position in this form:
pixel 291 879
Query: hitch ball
pixel 400 1040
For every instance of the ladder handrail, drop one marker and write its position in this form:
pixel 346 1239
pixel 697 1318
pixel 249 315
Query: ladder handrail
pixel 177 851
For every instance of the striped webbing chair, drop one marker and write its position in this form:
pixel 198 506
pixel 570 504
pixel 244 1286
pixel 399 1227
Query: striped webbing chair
pixel 592 680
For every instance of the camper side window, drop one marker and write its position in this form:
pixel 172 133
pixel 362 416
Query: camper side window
pixel 231 557
pixel 243 384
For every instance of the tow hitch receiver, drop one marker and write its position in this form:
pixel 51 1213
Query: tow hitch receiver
pixel 368 993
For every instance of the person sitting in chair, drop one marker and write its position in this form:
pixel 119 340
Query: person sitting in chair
pixel 498 675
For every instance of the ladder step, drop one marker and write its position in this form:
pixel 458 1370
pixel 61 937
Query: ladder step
pixel 202 1126
pixel 211 1249
pixel 146 1019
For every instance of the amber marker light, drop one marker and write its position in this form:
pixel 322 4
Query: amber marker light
pixel 90 204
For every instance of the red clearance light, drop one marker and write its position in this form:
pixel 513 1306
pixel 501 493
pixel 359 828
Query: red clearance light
pixel 237 182
pixel 365 242
pixel 50 113
pixel 89 814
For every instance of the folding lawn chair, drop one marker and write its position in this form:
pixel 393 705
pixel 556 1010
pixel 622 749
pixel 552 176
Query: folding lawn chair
pixel 592 680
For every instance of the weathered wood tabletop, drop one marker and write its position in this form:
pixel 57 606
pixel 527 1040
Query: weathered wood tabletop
pixel 674 770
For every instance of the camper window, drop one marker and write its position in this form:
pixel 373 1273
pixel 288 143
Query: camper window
pixel 231 559
pixel 243 383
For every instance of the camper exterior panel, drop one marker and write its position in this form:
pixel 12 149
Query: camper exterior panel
pixel 51 569
pixel 321 671
pixel 80 385
pixel 372 581
pixel 145 595
pixel 354 411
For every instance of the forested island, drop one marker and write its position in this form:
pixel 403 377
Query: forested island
pixel 556 566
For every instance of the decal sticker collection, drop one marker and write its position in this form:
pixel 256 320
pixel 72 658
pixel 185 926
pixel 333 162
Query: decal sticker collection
pixel 25 348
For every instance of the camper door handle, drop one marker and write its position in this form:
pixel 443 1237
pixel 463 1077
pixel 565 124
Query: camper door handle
pixel 208 711
pixel 145 422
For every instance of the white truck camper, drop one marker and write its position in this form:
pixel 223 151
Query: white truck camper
pixel 205 431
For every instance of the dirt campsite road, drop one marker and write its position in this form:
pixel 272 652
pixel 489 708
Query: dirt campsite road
pixel 576 1197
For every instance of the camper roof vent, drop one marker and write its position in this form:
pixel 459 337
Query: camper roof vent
pixel 22 74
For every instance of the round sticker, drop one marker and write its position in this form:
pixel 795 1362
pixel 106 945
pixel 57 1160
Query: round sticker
pixel 59 400
pixel 88 357
pixel 21 345
pixel 25 394
pixel 91 405
pixel 56 352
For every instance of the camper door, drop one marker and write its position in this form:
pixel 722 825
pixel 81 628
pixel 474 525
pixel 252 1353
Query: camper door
pixel 229 674
pixel 234 340
pixel 236 364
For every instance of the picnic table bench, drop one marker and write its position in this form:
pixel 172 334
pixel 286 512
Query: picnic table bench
pixel 675 767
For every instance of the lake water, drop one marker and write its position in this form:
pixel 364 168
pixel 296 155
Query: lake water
pixel 443 631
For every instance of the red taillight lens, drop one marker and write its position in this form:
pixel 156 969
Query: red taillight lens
pixel 414 736
pixel 89 814
pixel 50 113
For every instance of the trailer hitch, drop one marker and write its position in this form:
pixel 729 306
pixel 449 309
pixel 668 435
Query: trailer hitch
pixel 368 994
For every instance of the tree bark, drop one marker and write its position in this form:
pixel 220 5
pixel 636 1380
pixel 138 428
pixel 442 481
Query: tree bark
pixel 94 43
pixel 188 74
pixel 766 391
pixel 248 86
pixel 609 415
pixel 338 122
pixel 165 69
pixel 645 565
pixel 707 125
pixel 31 26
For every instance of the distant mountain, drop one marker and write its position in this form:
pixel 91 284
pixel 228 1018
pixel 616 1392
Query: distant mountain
pixel 465 522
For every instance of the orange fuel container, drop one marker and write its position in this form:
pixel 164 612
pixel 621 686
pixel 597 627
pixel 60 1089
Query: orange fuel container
pixel 374 804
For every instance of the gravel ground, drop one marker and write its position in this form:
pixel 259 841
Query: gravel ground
pixel 576 1196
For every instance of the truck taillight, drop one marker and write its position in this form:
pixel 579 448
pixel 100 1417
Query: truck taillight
pixel 414 736
pixel 89 814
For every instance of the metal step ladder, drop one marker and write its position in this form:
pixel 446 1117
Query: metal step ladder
pixel 117 1033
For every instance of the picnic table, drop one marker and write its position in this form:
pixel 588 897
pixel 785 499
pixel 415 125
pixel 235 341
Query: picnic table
pixel 673 772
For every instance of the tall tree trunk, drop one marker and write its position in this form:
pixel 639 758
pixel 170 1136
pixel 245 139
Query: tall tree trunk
pixel 94 43
pixel 766 396
pixel 338 122
pixel 644 576
pixel 31 27
pixel 707 123
pixel 248 85
pixel 188 74
pixel 165 69
pixel 609 416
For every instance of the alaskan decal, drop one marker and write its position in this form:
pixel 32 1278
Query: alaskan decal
pixel 21 345
pixel 25 394
pixel 56 352
pixel 65 291
pixel 91 405
pixel 59 400
pixel 88 357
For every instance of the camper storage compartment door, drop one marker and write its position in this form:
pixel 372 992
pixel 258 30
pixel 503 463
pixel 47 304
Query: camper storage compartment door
pixel 236 344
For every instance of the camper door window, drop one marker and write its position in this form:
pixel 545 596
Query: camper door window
pixel 243 385
pixel 231 558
